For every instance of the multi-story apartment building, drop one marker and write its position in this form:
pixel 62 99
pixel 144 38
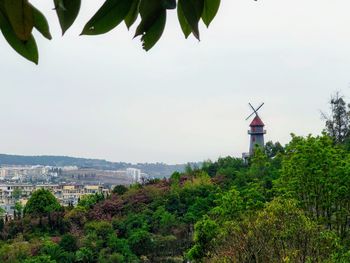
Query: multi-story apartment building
pixel 7 191
pixel 134 174
pixel 25 173
pixel 70 194
pixel 66 194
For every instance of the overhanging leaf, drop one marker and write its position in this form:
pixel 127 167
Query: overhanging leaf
pixel 41 24
pixel 210 10
pixel 186 29
pixel 27 49
pixel 154 33
pixel 169 4
pixel 20 16
pixel 107 17
pixel 150 10
pixel 131 17
pixel 67 11
pixel 192 11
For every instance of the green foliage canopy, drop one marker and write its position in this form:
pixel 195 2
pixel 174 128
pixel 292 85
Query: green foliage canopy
pixel 18 19
pixel 317 173
pixel 41 203
pixel 279 233
pixel 69 243
pixel 120 189
pixel 17 193
pixel 88 201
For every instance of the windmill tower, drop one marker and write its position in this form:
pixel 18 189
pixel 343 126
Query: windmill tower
pixel 256 131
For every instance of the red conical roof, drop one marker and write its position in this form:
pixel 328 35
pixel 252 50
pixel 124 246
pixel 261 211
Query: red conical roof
pixel 256 122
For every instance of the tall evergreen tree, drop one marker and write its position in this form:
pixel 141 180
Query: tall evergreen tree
pixel 338 122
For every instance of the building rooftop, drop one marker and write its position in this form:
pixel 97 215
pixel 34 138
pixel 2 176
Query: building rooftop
pixel 256 122
pixel 92 187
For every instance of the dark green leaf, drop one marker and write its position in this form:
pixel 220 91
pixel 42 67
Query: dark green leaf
pixel 169 4
pixel 133 13
pixel 210 10
pixel 20 15
pixel 153 34
pixel 186 29
pixel 107 17
pixel 192 11
pixel 27 49
pixel 41 24
pixel 150 10
pixel 67 11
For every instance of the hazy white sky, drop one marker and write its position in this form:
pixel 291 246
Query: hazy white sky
pixel 184 100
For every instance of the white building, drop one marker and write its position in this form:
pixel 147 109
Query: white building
pixel 134 174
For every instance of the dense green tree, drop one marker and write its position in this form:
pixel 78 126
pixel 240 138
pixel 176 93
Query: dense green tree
pixel 227 166
pixel 105 256
pixel 132 221
pixel 84 255
pixel 42 203
pixel 317 173
pixel 18 210
pixel 272 149
pixel 259 164
pixel 2 218
pixel 120 189
pixel 230 205
pixel 279 233
pixel 194 199
pixel 99 231
pixel 140 241
pixel 40 259
pixel 121 247
pixel 88 201
pixel 77 216
pixel 205 233
pixel 68 243
pixel 16 252
pixel 260 176
pixel 53 250
pixel 163 221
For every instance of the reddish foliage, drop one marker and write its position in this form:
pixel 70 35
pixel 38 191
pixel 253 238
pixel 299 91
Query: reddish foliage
pixel 117 205
pixel 185 178
pixel 56 239
pixel 219 180
pixel 107 209
pixel 34 250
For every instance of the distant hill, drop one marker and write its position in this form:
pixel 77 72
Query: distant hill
pixel 153 169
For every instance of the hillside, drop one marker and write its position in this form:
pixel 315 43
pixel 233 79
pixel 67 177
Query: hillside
pixel 158 170
pixel 290 205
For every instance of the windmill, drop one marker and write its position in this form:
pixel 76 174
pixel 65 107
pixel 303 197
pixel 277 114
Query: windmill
pixel 256 131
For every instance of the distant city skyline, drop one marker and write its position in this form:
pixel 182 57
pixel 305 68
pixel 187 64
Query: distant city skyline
pixel 104 97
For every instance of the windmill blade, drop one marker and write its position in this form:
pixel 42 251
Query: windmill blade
pixel 250 116
pixel 252 107
pixel 259 107
pixel 254 111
